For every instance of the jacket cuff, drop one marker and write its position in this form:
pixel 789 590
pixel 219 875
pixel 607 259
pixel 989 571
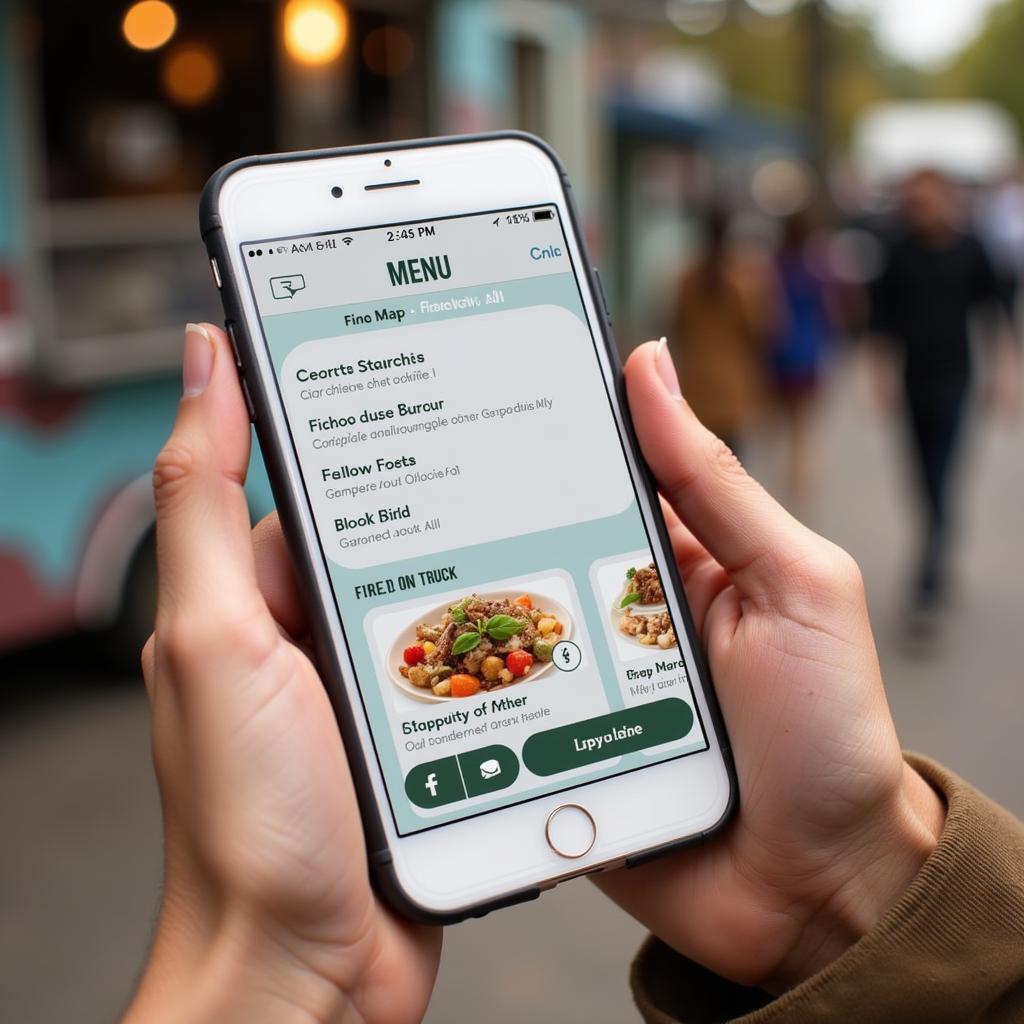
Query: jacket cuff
pixel 951 949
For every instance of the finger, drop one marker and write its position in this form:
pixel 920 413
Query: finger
pixel 703 578
pixel 745 530
pixel 204 552
pixel 688 551
pixel 276 577
pixel 148 664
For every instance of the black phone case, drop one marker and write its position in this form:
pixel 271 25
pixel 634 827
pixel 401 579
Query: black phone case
pixel 378 853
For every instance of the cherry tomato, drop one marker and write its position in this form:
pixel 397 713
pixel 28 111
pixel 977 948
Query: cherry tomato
pixel 523 601
pixel 413 655
pixel 519 662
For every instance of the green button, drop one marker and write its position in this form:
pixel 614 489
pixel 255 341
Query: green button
pixel 598 739
pixel 488 769
pixel 435 783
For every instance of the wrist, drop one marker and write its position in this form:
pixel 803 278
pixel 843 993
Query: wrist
pixel 867 879
pixel 236 971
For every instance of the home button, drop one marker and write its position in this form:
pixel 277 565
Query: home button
pixel 570 831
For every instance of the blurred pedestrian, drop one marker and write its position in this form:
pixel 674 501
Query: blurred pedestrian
pixel 936 277
pixel 805 330
pixel 723 323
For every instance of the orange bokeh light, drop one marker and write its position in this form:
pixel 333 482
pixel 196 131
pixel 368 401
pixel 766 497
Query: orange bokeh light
pixel 315 31
pixel 191 74
pixel 149 24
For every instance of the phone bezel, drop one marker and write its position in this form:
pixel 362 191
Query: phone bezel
pixel 291 194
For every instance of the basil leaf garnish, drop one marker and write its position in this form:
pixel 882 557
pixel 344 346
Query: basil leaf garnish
pixel 504 627
pixel 465 642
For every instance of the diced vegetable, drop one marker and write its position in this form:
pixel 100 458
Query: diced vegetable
pixel 542 649
pixel 463 685
pixel 519 662
pixel 442 688
pixel 491 667
pixel 429 647
pixel 524 601
pixel 558 627
pixel 546 625
pixel 419 676
pixel 414 654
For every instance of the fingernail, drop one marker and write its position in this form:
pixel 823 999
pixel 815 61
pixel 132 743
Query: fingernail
pixel 667 370
pixel 197 364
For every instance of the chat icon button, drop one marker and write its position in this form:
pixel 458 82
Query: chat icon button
pixel 286 286
pixel 488 769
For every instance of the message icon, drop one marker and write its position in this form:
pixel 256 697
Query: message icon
pixel 286 287
pixel 490 768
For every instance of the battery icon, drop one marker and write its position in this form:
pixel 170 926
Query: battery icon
pixel 543 214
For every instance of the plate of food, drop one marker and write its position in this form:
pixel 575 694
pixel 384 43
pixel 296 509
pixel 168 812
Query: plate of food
pixel 640 613
pixel 478 644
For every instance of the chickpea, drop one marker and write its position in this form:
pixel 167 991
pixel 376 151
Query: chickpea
pixel 546 625
pixel 443 688
pixel 665 641
pixel 505 675
pixel 491 667
pixel 419 676
pixel 429 647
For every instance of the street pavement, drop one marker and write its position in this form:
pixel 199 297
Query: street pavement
pixel 80 846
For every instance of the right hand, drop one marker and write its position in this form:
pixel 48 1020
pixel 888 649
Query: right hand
pixel 832 824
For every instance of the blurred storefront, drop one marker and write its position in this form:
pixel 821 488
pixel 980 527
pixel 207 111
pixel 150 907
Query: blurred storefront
pixel 113 115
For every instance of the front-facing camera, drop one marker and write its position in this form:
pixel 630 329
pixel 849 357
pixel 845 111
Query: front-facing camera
pixel 336 192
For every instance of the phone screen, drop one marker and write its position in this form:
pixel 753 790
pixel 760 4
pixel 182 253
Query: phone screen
pixel 474 509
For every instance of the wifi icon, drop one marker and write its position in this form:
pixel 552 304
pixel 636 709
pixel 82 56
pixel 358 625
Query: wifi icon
pixel 348 240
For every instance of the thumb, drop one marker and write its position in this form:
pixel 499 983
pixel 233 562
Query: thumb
pixel 204 551
pixel 742 527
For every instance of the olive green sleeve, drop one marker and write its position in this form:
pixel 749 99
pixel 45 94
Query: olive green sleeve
pixel 950 951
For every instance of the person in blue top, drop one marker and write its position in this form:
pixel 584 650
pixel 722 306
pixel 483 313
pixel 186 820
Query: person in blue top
pixel 805 330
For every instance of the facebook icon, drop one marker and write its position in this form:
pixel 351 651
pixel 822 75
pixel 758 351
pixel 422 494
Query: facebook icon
pixel 435 783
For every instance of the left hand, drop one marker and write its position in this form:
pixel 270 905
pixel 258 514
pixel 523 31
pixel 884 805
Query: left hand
pixel 267 911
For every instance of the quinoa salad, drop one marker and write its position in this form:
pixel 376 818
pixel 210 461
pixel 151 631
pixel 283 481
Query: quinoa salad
pixel 481 643
pixel 643 589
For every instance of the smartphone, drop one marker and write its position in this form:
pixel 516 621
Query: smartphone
pixel 425 353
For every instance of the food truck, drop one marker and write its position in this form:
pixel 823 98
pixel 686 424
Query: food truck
pixel 112 117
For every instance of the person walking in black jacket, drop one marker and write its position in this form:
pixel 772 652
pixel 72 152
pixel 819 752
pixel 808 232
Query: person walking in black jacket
pixel 937 278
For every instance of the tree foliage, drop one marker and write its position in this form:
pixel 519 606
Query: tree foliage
pixel 990 66
pixel 764 60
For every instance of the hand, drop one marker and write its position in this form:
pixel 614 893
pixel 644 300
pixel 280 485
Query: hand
pixel 267 911
pixel 833 824
pixel 1004 380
